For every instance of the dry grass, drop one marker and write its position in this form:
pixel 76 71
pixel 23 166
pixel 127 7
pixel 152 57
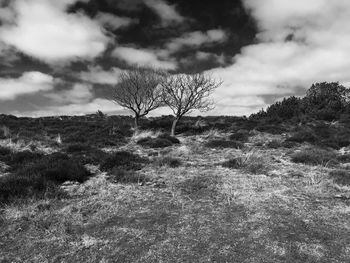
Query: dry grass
pixel 201 213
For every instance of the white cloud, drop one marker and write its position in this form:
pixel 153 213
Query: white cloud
pixel 28 83
pixel 301 42
pixel 99 76
pixel 113 21
pixel 93 106
pixel 196 39
pixel 166 12
pixel 78 94
pixel 42 29
pixel 142 57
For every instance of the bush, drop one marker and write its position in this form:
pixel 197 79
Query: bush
pixel 94 156
pixel 4 153
pixel 166 136
pixel 17 159
pixel 303 136
pixel 235 163
pixel 289 144
pixel 224 144
pixel 124 160
pixel 154 142
pixel 341 177
pixel 169 161
pixel 241 136
pixel 250 162
pixel 315 156
pixel 345 158
pixel 270 128
pixel 274 144
pixel 41 177
pixel 78 147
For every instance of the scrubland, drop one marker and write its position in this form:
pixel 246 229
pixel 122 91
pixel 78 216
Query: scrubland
pixel 233 194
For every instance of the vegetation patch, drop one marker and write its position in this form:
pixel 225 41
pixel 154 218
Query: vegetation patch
pixel 41 177
pixel 241 135
pixel 78 147
pixel 341 177
pixel 199 185
pixel 224 144
pixel 249 162
pixel 120 175
pixel 161 141
pixel 274 144
pixel 124 160
pixel 315 156
pixel 169 161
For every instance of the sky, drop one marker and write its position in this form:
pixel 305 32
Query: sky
pixel 64 57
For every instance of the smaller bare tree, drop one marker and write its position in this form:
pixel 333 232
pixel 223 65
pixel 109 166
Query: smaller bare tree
pixel 139 90
pixel 183 93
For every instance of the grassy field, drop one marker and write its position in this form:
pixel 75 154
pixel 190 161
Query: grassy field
pixel 191 202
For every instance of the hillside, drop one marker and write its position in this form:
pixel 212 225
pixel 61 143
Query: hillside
pixel 230 190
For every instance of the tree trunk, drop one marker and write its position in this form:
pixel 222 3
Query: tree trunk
pixel 136 122
pixel 173 127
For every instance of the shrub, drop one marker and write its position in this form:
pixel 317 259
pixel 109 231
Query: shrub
pixel 125 160
pixel 241 136
pixel 234 163
pixel 341 176
pixel 345 158
pixel 169 161
pixel 274 144
pixel 154 142
pixel 94 156
pixel 17 159
pixel 250 162
pixel 224 144
pixel 270 128
pixel 41 177
pixel 4 152
pixel 303 136
pixel 78 147
pixel 289 144
pixel 166 136
pixel 315 156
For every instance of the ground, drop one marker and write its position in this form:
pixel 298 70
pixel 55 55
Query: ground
pixel 197 212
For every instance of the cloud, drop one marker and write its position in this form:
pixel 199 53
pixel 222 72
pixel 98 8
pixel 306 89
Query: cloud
pixel 300 43
pixel 142 57
pixel 78 94
pixel 114 22
pixel 106 106
pixel 28 83
pixel 97 75
pixel 42 29
pixel 196 39
pixel 166 12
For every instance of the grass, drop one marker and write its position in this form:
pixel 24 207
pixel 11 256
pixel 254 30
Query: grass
pixel 168 161
pixel 202 212
pixel 224 144
pixel 315 156
pixel 341 177
pixel 251 162
pixel 120 175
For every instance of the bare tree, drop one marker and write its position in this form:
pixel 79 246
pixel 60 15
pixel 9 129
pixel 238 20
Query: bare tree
pixel 139 90
pixel 183 93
